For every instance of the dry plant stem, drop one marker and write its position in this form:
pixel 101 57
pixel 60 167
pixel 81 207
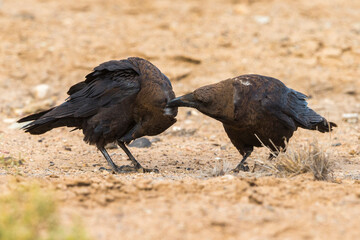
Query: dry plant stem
pixel 294 162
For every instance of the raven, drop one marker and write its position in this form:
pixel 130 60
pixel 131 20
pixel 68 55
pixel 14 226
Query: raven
pixel 121 100
pixel 255 110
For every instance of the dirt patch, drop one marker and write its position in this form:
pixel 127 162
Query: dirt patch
pixel 312 46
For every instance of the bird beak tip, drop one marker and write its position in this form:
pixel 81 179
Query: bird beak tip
pixel 183 101
pixel 174 102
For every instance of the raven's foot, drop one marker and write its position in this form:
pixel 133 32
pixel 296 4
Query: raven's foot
pixel 271 157
pixel 241 167
pixel 129 169
pixel 138 168
pixel 122 169
pixel 147 170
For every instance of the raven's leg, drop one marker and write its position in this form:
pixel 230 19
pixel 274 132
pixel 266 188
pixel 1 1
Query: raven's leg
pixel 124 169
pixel 134 133
pixel 136 164
pixel 242 166
pixel 108 159
pixel 272 156
pixel 244 150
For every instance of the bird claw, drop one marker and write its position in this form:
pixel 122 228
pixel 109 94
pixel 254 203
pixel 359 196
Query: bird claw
pixel 147 170
pixel 122 169
pixel 126 169
pixel 241 167
pixel 109 170
pixel 129 169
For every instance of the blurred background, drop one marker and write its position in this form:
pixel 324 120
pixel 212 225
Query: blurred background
pixel 311 45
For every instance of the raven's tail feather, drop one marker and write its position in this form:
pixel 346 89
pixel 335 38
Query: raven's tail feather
pixel 43 125
pixel 46 120
pixel 40 126
pixel 35 116
pixel 311 120
pixel 324 126
pixel 304 116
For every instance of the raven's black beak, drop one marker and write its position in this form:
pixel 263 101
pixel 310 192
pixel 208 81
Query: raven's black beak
pixel 187 100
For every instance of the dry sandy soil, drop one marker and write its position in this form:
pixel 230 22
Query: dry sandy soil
pixel 311 45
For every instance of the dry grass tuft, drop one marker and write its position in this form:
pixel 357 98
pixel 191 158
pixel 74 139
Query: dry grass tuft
pixel 310 158
pixel 221 168
pixel 304 159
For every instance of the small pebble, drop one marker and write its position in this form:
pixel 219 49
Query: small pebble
pixel 140 143
pixel 228 177
pixel 262 19
pixel 223 147
pixel 9 120
pixel 155 139
pixel 350 117
pixel 176 128
pixel 41 91
pixel 67 148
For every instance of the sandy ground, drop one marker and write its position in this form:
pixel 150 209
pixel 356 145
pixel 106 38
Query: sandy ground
pixel 313 46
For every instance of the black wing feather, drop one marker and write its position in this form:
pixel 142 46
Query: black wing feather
pixel 110 81
pixel 120 68
pixel 124 68
pixel 297 108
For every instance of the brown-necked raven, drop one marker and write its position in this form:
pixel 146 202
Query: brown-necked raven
pixel 119 101
pixel 255 110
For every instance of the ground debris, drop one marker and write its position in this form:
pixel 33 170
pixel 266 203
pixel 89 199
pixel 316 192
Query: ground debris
pixel 350 117
pixel 78 183
pixel 187 59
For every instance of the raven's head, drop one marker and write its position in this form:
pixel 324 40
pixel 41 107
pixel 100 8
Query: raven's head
pixel 209 100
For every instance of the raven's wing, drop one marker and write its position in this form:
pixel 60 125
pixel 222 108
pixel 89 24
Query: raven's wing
pixel 291 108
pixel 110 82
pixel 123 68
